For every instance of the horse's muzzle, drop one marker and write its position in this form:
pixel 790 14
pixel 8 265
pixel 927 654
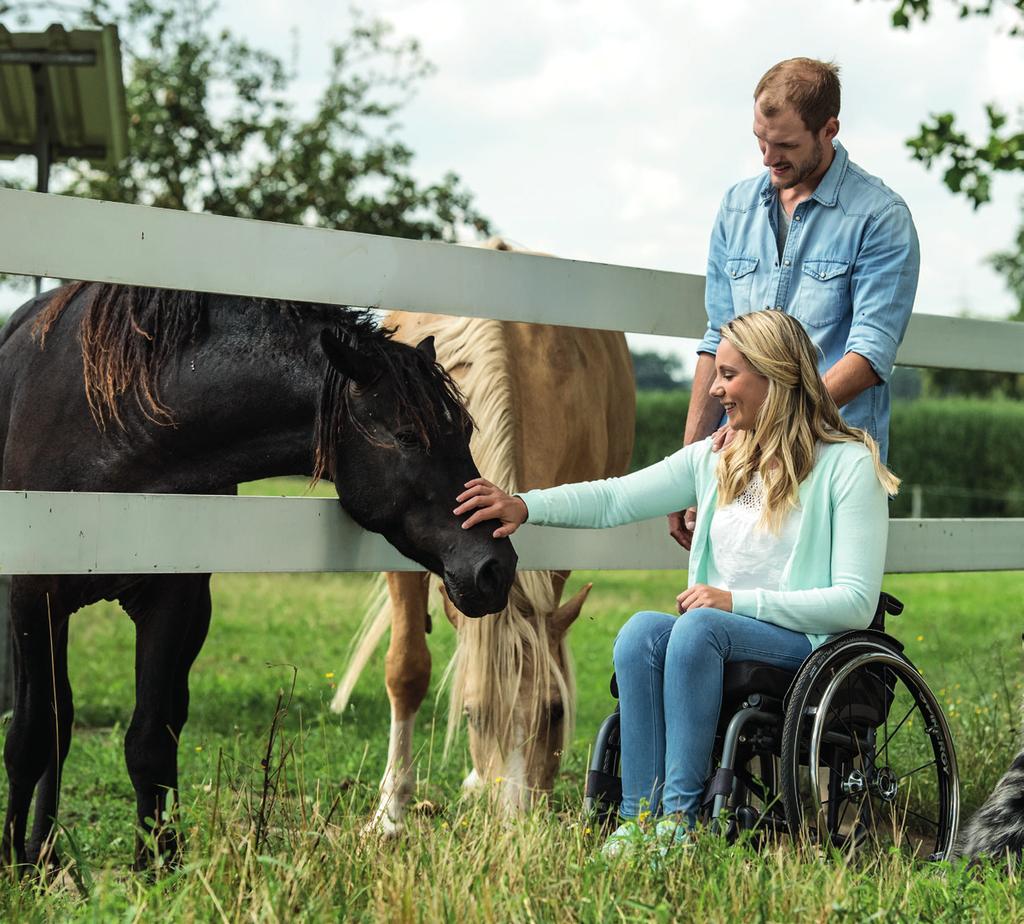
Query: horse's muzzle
pixel 484 589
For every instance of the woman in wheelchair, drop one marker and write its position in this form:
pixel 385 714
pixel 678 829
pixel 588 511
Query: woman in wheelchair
pixel 788 550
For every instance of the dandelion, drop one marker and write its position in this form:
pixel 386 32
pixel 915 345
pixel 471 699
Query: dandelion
pixel 920 638
pixel 329 675
pixel 199 748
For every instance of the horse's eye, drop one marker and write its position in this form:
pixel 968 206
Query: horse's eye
pixel 408 439
pixel 556 711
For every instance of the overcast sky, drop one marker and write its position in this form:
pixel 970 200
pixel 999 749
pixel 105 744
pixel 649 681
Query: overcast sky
pixel 608 131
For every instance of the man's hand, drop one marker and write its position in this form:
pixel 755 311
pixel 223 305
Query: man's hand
pixel 722 437
pixel 701 595
pixel 681 524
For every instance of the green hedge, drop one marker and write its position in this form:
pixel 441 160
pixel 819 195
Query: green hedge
pixel 966 455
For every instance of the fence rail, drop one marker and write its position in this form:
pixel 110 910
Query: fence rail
pixel 84 239
pixel 85 533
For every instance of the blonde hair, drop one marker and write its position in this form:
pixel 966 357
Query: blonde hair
pixel 797 414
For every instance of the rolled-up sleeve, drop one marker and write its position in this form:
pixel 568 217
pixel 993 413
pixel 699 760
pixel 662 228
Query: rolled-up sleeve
pixel 717 291
pixel 883 286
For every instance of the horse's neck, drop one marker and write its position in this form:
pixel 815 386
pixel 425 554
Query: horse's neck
pixel 245 400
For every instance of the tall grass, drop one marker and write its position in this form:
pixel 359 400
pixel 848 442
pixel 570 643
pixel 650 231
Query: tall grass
pixel 273 824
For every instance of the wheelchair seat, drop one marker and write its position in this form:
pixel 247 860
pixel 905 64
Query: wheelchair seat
pixel 850 748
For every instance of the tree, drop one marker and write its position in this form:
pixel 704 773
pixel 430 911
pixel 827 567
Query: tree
pixel 969 168
pixel 211 127
pixel 654 372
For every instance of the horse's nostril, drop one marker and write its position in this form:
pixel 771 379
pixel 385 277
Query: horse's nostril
pixel 489 577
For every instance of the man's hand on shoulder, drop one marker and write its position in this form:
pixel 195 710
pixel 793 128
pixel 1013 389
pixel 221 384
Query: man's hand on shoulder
pixel 722 437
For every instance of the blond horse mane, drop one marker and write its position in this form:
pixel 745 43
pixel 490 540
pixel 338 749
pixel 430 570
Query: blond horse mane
pixel 493 652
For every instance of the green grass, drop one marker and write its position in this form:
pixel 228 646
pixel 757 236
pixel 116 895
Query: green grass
pixel 460 861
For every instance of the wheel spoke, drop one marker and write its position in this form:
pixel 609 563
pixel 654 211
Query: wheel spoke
pixel 885 744
pixel 930 763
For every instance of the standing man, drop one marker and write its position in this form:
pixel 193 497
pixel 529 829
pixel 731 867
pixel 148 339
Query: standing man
pixel 819 238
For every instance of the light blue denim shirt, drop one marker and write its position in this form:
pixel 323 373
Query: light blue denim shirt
pixel 848 272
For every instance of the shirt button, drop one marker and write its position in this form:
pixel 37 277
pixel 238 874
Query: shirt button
pixel 786 262
pixel 822 275
pixel 796 218
pixel 778 307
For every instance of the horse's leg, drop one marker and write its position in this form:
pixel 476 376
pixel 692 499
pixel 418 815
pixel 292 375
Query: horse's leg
pixel 40 843
pixel 37 622
pixel 407 675
pixel 165 610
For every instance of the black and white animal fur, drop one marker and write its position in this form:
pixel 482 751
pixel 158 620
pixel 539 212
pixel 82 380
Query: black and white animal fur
pixel 997 829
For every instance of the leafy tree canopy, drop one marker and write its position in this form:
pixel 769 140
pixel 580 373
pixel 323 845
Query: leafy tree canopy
pixel 654 372
pixel 970 165
pixel 212 127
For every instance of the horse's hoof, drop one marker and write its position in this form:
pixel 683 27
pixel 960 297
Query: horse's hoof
pixel 383 828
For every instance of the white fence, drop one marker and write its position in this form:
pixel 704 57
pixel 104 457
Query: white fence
pixel 117 533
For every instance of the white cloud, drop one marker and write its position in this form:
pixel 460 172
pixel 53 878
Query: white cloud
pixel 609 130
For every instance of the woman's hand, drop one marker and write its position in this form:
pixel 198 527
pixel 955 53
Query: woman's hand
pixel 702 595
pixel 489 502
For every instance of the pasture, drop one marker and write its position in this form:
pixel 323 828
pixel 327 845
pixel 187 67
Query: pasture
pixel 274 790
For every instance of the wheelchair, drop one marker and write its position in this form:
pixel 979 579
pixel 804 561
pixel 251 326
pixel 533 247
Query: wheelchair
pixel 851 750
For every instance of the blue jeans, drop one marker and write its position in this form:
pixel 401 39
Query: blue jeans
pixel 669 672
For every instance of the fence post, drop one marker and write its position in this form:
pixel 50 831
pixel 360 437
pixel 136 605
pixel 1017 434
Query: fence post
pixel 916 501
pixel 6 653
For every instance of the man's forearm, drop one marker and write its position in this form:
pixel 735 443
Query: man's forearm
pixel 848 378
pixel 704 411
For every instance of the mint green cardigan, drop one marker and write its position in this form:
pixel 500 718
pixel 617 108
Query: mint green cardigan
pixel 834 573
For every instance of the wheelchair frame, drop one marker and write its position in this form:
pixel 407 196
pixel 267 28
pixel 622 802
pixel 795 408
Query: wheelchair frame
pixel 781 722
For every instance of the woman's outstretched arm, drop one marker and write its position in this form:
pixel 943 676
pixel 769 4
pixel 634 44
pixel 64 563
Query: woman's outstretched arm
pixel 668 485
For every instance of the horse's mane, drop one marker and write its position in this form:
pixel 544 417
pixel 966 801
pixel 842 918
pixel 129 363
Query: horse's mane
pixel 129 333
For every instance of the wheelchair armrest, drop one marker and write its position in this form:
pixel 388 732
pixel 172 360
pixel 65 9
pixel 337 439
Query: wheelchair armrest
pixel 887 603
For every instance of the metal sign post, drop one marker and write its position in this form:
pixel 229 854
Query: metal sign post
pixel 61 95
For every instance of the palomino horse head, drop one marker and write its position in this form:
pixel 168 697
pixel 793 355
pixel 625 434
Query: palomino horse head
pixel 514 685
pixel 393 412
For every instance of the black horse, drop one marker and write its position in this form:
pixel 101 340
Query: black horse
pixel 118 388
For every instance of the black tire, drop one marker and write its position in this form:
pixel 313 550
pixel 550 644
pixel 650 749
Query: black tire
pixel 603 791
pixel 839 785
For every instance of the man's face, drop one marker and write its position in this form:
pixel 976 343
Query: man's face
pixel 791 151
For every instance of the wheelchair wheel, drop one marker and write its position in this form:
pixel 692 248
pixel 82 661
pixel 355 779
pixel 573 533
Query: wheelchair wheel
pixel 867 757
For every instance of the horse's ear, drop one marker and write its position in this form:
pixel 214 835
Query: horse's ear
pixel 426 345
pixel 563 618
pixel 346 360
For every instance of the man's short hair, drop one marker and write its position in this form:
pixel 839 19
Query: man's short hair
pixel 810 87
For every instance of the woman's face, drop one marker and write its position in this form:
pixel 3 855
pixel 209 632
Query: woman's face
pixel 740 389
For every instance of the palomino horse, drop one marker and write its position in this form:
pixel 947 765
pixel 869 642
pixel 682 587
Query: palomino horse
pixel 552 405
pixel 109 388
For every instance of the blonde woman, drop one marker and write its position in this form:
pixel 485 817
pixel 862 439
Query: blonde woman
pixel 788 549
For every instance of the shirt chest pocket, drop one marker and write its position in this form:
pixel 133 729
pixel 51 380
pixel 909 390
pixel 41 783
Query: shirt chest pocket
pixel 740 271
pixel 824 294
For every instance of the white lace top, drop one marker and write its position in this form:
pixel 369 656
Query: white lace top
pixel 744 555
